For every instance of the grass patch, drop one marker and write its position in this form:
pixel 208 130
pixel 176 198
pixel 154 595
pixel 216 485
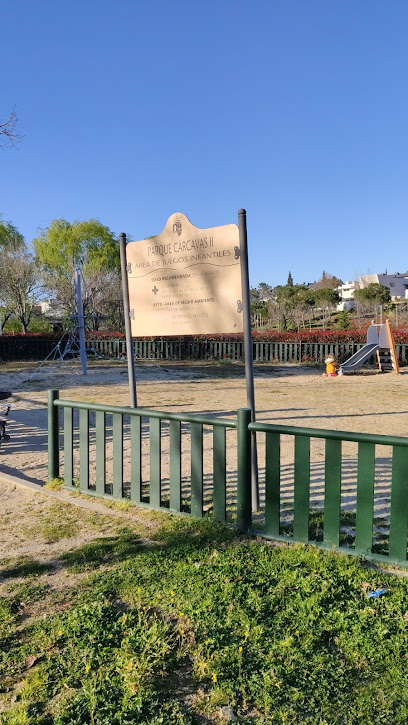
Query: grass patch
pixel 55 484
pixel 55 532
pixel 169 632
pixel 101 551
pixel 58 522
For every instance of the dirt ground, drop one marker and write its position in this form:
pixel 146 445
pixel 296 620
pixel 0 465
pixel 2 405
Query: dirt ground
pixel 39 527
pixel 292 395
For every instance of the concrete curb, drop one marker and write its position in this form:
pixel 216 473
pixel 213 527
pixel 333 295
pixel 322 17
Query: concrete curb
pixel 66 497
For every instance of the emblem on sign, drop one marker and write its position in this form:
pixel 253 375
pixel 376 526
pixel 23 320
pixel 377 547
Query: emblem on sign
pixel 177 228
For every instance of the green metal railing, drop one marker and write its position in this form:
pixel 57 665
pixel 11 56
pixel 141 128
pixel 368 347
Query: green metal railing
pixel 85 451
pixel 365 484
pixel 84 437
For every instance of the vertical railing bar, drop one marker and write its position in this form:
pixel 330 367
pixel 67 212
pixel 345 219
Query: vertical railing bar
pixel 272 484
pixel 332 492
pixel 219 473
pixel 68 447
pixel 196 470
pixel 175 464
pixel 301 489
pixel 399 505
pixel 365 498
pixel 136 458
pixel 117 437
pixel 84 450
pixel 100 453
pixel 155 462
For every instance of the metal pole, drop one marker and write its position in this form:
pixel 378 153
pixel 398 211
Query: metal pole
pixel 81 323
pixel 53 435
pixel 244 471
pixel 129 342
pixel 249 364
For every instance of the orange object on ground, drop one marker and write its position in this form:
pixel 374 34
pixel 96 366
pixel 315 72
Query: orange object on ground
pixel 331 367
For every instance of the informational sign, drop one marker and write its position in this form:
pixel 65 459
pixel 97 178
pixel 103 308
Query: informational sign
pixel 185 281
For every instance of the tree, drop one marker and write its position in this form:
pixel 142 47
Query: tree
pixel 19 286
pixel 343 320
pixel 291 303
pixel 368 299
pixel 63 246
pixel 10 237
pixel 302 305
pixel 264 290
pixel 326 281
pixel 289 283
pixel 90 245
pixel 326 299
pixel 254 294
pixel 9 136
pixel 374 292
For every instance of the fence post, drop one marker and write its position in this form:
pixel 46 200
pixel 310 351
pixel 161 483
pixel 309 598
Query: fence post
pixel 53 435
pixel 244 503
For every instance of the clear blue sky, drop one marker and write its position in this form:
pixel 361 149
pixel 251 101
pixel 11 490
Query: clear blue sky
pixel 296 110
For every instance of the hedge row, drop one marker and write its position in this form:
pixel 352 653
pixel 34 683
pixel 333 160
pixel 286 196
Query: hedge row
pixel 320 336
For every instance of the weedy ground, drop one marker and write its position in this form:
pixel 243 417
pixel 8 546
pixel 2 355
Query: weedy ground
pixel 126 617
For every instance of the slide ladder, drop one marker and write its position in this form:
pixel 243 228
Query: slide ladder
pixel 379 341
pixel 387 354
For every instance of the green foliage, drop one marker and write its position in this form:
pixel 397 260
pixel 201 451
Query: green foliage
pixel 289 283
pixel 289 631
pixel 10 237
pixel 90 245
pixel 39 323
pixel 327 296
pixel 343 320
pixel 12 325
pixel 292 292
pixel 63 246
pixel 260 308
pixel 374 292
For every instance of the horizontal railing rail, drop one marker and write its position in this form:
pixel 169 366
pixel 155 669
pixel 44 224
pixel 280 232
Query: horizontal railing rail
pixel 147 413
pixel 337 435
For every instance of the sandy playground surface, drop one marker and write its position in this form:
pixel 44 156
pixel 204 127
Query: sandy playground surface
pixel 291 395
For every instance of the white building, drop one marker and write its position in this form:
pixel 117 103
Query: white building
pixel 396 283
pixel 346 292
pixel 50 308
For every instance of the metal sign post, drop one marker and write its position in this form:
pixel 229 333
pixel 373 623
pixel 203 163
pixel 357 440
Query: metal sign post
pixel 81 322
pixel 129 342
pixel 249 364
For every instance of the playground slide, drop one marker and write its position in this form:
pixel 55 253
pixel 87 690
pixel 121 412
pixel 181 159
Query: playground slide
pixel 359 357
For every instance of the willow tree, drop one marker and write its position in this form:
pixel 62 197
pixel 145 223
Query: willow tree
pixel 92 247
pixel 10 237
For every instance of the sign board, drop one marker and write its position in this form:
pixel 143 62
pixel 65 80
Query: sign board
pixel 185 281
